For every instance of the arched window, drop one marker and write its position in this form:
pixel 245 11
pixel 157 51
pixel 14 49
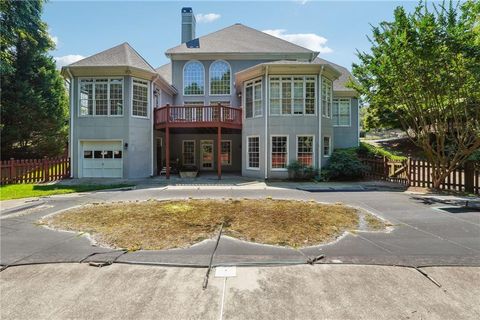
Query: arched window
pixel 193 78
pixel 220 75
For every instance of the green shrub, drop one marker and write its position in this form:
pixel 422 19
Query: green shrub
pixel 367 149
pixel 344 164
pixel 299 171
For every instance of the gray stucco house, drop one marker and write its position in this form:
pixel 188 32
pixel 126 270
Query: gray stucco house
pixel 236 100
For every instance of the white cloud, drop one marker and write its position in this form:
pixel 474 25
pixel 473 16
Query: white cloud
pixel 66 60
pixel 310 41
pixel 207 17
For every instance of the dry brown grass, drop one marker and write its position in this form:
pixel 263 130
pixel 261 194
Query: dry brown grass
pixel 373 223
pixel 172 224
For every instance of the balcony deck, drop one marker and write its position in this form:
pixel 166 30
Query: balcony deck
pixel 198 117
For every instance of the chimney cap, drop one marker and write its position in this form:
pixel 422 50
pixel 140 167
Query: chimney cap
pixel 187 10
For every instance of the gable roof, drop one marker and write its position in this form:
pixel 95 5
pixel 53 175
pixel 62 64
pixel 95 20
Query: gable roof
pixel 122 55
pixel 165 72
pixel 239 38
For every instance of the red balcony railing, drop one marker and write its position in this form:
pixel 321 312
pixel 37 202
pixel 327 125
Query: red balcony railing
pixel 198 116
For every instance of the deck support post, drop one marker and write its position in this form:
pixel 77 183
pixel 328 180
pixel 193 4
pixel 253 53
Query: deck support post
pixel 167 152
pixel 219 152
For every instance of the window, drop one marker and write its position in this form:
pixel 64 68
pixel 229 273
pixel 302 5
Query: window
pixel 279 152
pixel 193 78
pixel 101 97
pixel 88 154
pixel 305 150
pixel 253 99
pixel 327 146
pixel 341 112
pixel 326 98
pixel 219 78
pixel 292 95
pixel 188 152
pixel 226 154
pixel 253 152
pixel 140 98
pixel 117 154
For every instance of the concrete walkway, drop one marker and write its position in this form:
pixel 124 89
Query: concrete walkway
pixel 424 234
pixel 77 291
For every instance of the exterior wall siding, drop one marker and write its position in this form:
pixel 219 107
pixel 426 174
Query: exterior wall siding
pixel 347 137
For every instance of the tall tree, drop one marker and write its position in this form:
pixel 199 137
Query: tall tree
pixel 34 104
pixel 423 73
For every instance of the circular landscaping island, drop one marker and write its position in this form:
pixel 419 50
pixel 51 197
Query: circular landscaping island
pixel 155 225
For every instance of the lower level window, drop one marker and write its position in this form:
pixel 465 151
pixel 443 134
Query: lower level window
pixel 226 154
pixel 188 152
pixel 327 148
pixel 279 152
pixel 305 150
pixel 253 152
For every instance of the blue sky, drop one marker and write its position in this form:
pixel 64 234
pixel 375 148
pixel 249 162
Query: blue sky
pixel 336 28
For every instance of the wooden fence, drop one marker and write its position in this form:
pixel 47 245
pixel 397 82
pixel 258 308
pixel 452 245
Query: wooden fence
pixel 34 170
pixel 418 173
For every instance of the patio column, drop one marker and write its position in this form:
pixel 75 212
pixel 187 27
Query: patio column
pixel 167 151
pixel 219 152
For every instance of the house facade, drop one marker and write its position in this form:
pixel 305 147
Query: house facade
pixel 236 100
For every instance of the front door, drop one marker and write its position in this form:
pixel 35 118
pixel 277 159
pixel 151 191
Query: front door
pixel 206 154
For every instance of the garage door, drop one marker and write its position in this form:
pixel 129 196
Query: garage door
pixel 102 159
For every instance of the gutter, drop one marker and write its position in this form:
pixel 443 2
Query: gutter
pixel 320 102
pixel 152 123
pixel 267 107
pixel 71 93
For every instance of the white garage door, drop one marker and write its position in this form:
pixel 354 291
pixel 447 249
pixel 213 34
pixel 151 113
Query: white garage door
pixel 102 159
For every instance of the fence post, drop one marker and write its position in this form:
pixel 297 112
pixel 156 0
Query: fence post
pixel 12 170
pixel 386 172
pixel 469 176
pixel 46 174
pixel 409 172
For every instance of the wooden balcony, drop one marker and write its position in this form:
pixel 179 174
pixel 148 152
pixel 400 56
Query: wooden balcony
pixel 198 117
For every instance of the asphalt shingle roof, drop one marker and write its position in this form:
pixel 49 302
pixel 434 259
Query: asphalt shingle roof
pixel 239 38
pixel 122 55
pixel 165 72
pixel 340 83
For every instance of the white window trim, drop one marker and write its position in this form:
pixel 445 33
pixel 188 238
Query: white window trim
pixel 210 82
pixel 183 80
pixel 271 151
pixel 108 97
pixel 244 98
pixel 230 152
pixel 349 113
pixel 304 76
pixel 329 110
pixel 313 146
pixel 329 146
pixel 247 153
pixel 194 153
pixel 149 102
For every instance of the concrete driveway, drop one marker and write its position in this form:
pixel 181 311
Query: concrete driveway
pixel 423 235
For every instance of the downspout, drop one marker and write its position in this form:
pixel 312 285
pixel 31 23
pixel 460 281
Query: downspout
pixel 320 107
pixel 267 107
pixel 71 93
pixel 152 101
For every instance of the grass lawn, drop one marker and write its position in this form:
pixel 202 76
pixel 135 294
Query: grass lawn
pixel 155 224
pixel 17 191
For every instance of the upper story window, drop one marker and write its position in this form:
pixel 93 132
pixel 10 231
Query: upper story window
pixel 220 75
pixel 292 95
pixel 193 78
pixel 140 98
pixel 101 97
pixel 253 98
pixel 326 98
pixel 341 113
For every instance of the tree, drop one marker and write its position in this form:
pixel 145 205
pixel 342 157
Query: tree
pixel 34 103
pixel 423 73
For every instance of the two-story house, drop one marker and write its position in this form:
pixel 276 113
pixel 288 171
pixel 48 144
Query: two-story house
pixel 236 100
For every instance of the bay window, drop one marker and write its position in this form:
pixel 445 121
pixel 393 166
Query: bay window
pixel 140 98
pixel 326 97
pixel 101 97
pixel 305 150
pixel 341 113
pixel 292 95
pixel 279 155
pixel 253 99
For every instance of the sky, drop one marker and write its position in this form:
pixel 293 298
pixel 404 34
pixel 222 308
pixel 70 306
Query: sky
pixel 334 28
